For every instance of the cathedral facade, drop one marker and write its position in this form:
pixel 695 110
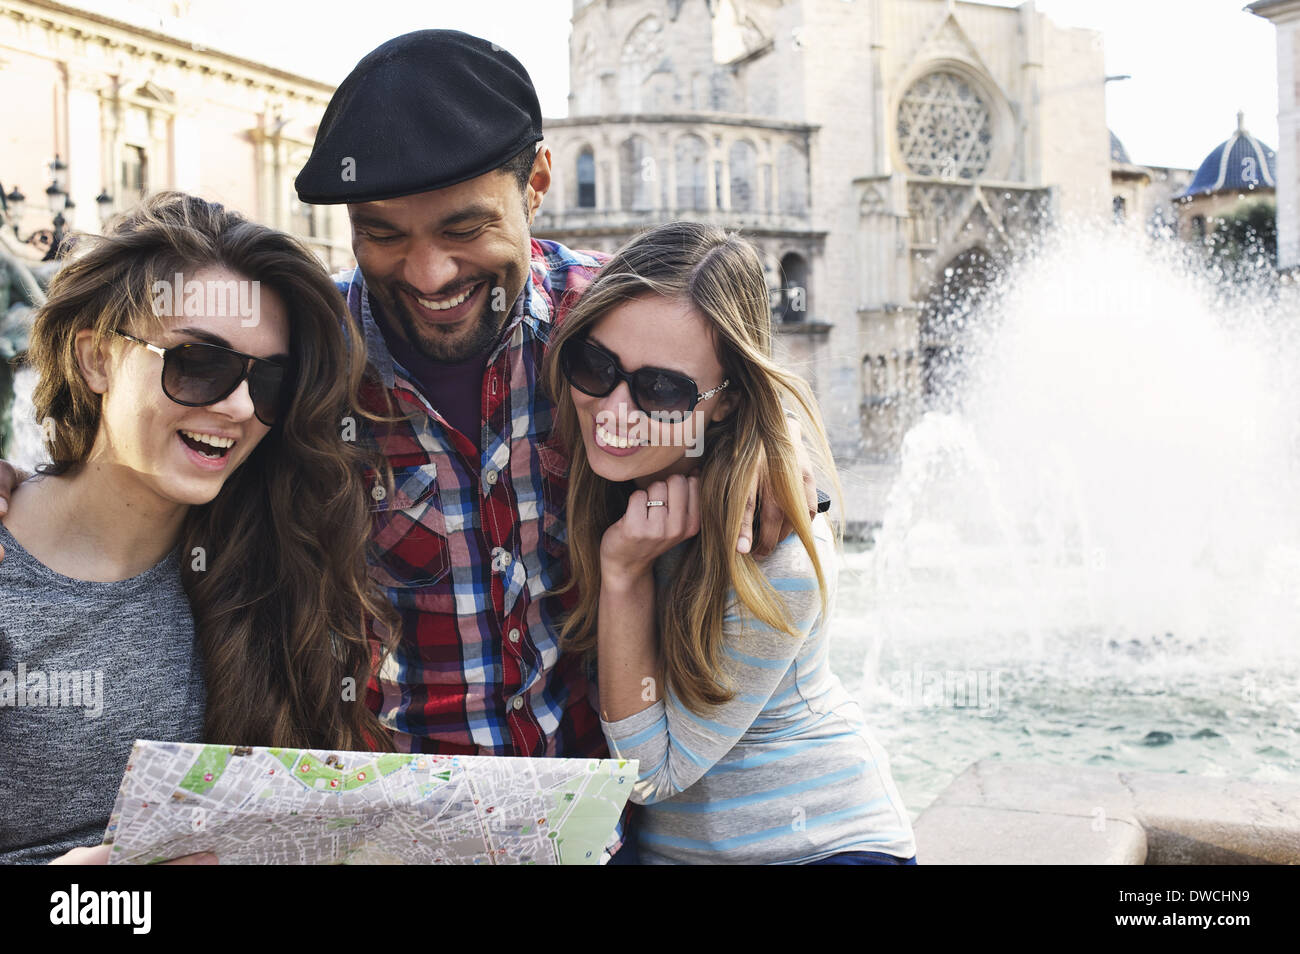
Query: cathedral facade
pixel 886 156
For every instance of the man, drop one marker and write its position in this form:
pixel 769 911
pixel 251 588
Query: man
pixel 432 141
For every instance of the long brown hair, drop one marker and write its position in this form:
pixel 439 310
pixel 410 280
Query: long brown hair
pixel 720 275
pixel 282 593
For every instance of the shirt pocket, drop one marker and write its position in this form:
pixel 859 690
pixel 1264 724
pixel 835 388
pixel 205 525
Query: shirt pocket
pixel 554 468
pixel 408 531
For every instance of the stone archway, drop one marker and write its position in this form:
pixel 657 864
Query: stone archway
pixel 954 296
pixel 793 303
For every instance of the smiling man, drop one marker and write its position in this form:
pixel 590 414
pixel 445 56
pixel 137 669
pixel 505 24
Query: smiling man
pixel 432 142
pixel 484 228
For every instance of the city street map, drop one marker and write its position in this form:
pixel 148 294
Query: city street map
pixel 254 805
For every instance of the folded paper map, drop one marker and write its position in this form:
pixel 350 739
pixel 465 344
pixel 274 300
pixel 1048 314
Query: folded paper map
pixel 253 805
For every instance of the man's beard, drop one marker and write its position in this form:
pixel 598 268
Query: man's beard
pixel 446 348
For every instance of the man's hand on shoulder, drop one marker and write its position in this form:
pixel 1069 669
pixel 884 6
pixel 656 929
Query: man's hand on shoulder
pixel 10 477
pixel 773 525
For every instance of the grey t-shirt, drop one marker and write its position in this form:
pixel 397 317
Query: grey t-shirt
pixel 85 670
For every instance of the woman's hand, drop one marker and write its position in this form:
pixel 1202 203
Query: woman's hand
pixel 629 547
pixel 99 856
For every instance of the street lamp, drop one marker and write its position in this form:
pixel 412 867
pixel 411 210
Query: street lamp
pixel 57 201
pixel 13 205
pixel 104 204
pixel 59 173
pixel 55 198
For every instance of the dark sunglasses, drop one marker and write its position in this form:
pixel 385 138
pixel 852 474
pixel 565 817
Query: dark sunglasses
pixel 196 374
pixel 594 371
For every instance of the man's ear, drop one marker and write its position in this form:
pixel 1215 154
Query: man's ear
pixel 538 182
pixel 92 359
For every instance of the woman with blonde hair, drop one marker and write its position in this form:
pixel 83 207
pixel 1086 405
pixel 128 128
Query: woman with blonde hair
pixel 192 559
pixel 712 666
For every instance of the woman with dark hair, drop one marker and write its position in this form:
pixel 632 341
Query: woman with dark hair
pixel 713 665
pixel 191 564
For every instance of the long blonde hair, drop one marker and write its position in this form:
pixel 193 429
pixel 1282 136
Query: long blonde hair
pixel 720 275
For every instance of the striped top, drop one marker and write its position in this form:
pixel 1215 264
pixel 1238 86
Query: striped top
pixel 786 772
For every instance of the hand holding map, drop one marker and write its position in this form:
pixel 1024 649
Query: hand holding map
pixel 254 805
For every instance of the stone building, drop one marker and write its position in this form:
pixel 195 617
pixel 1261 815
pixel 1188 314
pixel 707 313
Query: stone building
pixel 885 155
pixel 130 107
pixel 1145 198
pixel 1285 16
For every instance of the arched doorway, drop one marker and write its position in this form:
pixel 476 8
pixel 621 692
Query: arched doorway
pixel 635 174
pixel 793 303
pixel 954 297
pixel 586 180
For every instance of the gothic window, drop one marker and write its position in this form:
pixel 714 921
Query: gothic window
pixel 586 180
pixel 944 128
pixel 792 174
pixel 636 174
pixel 794 289
pixel 744 174
pixel 135 171
pixel 699 91
pixel 879 383
pixel 724 93
pixel 642 51
pixel 1117 207
pixel 692 174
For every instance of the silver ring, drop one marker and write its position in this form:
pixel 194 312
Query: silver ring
pixel 654 503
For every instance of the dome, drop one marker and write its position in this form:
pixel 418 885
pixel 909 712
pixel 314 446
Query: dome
pixel 1241 163
pixel 1117 151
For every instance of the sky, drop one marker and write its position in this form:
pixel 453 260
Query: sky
pixel 1193 63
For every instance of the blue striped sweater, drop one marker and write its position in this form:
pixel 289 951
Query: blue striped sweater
pixel 786 772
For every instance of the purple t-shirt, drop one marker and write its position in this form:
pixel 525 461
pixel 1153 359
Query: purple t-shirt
pixel 455 389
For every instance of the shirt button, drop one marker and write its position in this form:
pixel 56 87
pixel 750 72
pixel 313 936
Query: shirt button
pixel 491 477
pixel 514 635
pixel 517 702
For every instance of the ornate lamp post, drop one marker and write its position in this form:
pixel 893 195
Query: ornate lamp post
pixel 104 205
pixel 58 202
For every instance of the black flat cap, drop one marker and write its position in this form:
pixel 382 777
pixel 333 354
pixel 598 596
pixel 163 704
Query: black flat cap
pixel 423 111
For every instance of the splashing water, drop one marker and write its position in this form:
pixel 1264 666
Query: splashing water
pixel 1108 530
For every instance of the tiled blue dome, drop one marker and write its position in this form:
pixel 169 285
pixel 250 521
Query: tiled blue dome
pixel 1240 163
pixel 1117 151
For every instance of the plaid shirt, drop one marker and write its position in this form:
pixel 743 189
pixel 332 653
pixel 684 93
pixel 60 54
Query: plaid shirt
pixel 469 541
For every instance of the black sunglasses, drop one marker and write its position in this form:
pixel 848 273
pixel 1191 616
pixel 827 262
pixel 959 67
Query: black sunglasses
pixel 196 374
pixel 594 371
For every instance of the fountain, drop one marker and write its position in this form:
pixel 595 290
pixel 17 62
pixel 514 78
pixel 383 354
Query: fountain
pixel 1106 531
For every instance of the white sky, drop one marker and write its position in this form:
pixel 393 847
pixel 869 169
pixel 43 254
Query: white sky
pixel 1194 63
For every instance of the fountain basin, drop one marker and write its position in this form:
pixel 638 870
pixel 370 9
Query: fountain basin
pixel 1022 813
